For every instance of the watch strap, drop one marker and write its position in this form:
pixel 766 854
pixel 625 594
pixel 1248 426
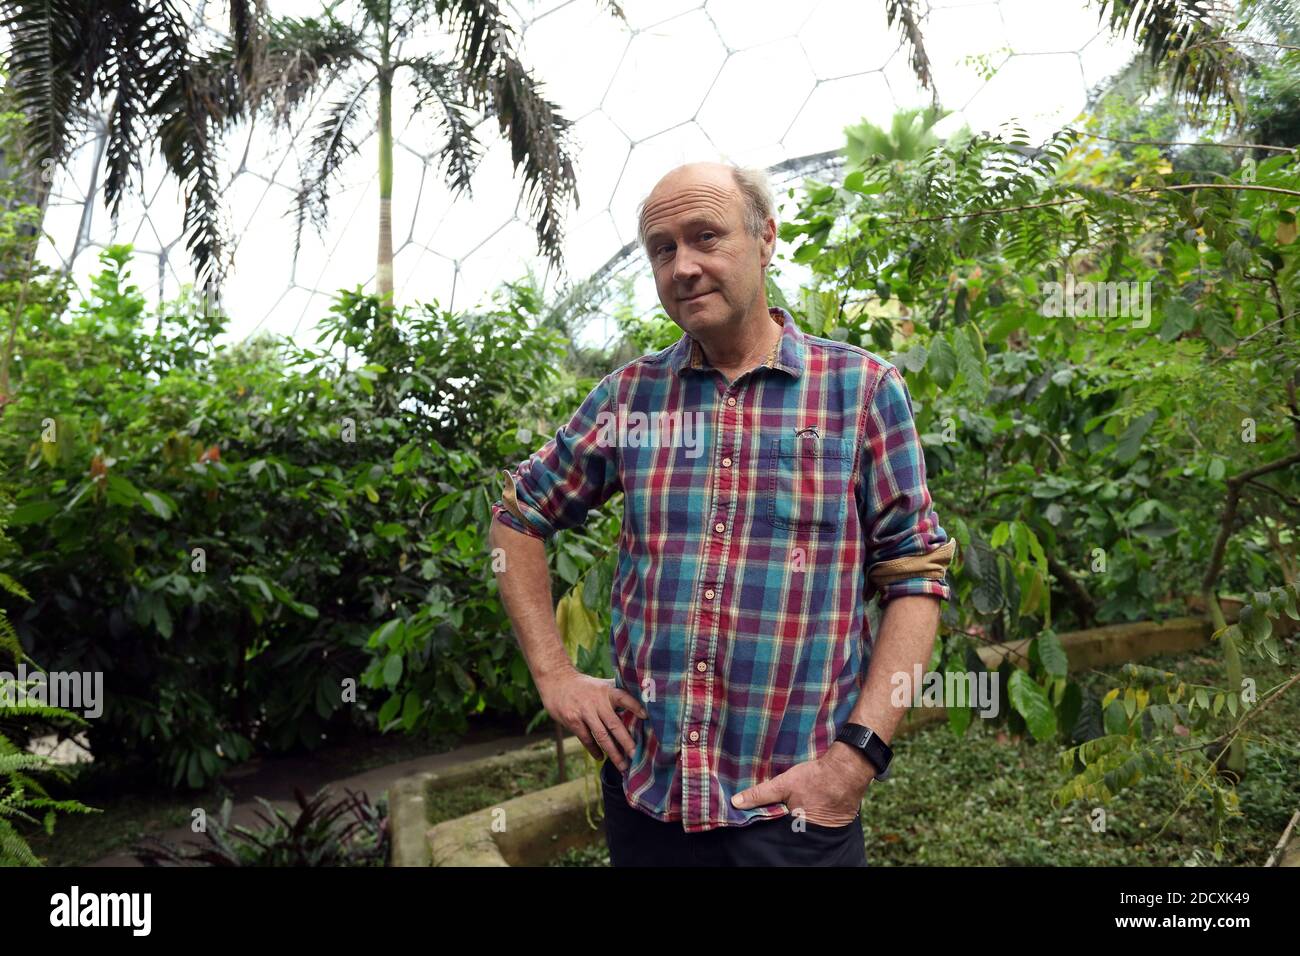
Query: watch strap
pixel 868 743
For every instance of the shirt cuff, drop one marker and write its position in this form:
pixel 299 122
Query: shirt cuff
pixel 499 513
pixel 925 587
pixel 921 574
pixel 506 509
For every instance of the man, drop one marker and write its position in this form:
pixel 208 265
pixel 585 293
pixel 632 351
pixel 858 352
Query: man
pixel 738 613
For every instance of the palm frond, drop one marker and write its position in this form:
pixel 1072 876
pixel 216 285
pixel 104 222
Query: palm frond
pixel 131 62
pixel 46 69
pixel 494 78
pixel 1189 42
pixel 245 36
pixel 188 143
pixel 909 26
pixel 539 144
pixel 300 56
pixel 461 153
pixel 329 147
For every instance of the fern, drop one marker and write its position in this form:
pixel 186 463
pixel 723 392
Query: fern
pixel 20 792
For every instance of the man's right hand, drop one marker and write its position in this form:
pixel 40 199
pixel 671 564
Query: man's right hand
pixel 584 705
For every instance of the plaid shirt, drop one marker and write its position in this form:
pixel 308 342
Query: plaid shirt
pixel 738 605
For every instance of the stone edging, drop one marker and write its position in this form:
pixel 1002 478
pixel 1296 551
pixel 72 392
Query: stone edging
pixel 408 822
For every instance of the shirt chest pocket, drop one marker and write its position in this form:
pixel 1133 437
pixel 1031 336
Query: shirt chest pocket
pixel 807 481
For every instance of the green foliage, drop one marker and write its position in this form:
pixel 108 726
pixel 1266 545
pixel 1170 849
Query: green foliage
pixel 1078 449
pixel 345 831
pixel 22 796
pixel 263 545
pixel 1158 724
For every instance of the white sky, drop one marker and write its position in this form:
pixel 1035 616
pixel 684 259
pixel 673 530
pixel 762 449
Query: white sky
pixel 754 82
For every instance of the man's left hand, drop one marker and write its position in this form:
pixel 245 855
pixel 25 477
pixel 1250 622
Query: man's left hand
pixel 828 790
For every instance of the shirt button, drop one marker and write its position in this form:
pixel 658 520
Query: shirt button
pixel 709 594
pixel 701 666
pixel 695 735
pixel 726 463
pixel 731 401
pixel 719 527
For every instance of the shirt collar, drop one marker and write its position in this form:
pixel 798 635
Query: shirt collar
pixel 787 354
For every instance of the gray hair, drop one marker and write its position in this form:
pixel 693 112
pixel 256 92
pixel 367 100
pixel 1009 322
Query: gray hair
pixel 755 189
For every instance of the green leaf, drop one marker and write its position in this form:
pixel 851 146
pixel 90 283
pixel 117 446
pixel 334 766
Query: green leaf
pixel 1179 318
pixel 1030 701
pixel 914 359
pixel 565 567
pixel 411 710
pixel 33 512
pixel 1291 609
pixel 971 358
pixel 942 362
pixel 1130 442
pixel 157 504
pixel 988 594
pixel 1051 652
pixel 162 618
pixel 392 669
pixel 122 492
pixel 463 679
pixel 384 633
pixel 1254 624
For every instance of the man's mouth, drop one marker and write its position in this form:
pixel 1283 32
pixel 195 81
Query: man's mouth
pixel 691 298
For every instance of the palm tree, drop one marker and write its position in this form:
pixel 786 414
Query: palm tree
pixel 134 59
pixel 361 59
pixel 1198 49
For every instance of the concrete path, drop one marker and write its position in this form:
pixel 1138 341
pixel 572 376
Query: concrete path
pixel 274 781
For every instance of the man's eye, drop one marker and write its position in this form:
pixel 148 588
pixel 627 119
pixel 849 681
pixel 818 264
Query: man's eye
pixel 706 236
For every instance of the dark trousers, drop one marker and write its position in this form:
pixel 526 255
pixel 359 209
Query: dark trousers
pixel 637 839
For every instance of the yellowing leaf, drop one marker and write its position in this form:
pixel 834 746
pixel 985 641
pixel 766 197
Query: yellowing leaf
pixel 575 622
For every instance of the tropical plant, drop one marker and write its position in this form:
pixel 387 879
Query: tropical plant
pixel 324 515
pixel 22 796
pixel 1157 723
pixel 345 831
pixel 361 59
pixel 141 63
pixel 1204 53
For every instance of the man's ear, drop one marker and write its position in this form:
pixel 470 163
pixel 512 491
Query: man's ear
pixel 769 241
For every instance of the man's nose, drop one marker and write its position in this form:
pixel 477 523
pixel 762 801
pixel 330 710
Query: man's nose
pixel 685 265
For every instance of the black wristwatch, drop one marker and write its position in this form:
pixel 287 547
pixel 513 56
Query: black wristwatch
pixel 866 742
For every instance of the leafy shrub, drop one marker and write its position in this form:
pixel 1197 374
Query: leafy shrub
pixel 346 831
pixel 224 530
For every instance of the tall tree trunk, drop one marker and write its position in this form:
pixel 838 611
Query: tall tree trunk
pixel 39 196
pixel 384 265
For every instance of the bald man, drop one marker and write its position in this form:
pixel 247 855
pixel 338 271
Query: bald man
pixel 742 727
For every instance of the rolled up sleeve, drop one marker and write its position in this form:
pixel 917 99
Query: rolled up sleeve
pixel 577 470
pixel 907 552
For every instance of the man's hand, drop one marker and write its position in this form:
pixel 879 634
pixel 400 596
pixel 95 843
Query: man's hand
pixel 828 790
pixel 584 705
